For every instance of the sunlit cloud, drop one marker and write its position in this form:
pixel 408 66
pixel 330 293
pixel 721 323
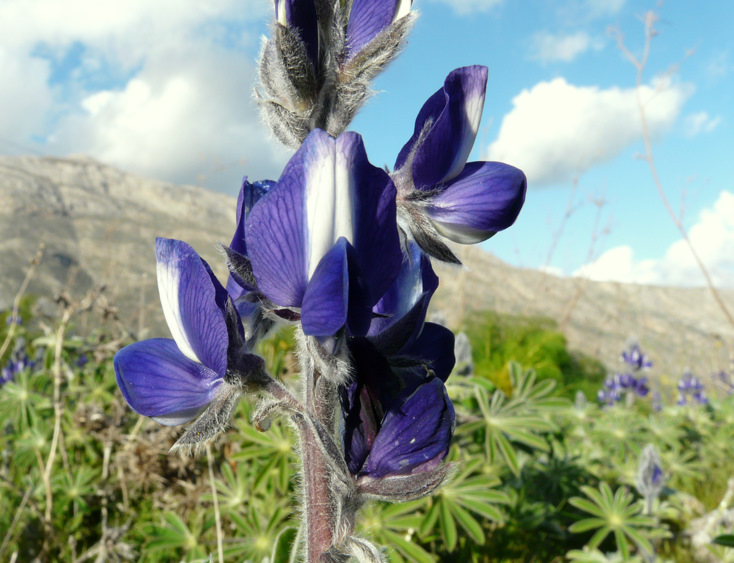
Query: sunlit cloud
pixel 557 130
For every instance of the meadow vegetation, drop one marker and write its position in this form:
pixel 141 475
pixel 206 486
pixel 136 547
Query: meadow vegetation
pixel 538 476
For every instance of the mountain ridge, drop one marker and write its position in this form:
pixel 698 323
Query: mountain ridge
pixel 99 225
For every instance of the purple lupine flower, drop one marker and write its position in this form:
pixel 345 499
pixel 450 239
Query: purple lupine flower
pixel 690 386
pixel 439 193
pixel 641 387
pixel 18 361
pixel 205 365
pixel 650 478
pixel 324 240
pixel 398 418
pixel 316 68
pixel 366 20
pixel 635 358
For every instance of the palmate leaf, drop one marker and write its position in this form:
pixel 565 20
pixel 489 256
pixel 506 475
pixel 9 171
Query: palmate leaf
pixel 271 452
pixel 466 503
pixel 613 513
pixel 393 526
pixel 524 418
pixel 174 534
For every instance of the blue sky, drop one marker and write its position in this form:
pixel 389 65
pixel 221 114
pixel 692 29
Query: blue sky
pixel 164 89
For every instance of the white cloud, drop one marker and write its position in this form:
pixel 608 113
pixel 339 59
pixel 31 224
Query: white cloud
pixel 556 130
pixel 547 47
pixel 467 7
pixel 25 96
pixel 700 122
pixel 713 238
pixel 186 117
pixel 160 88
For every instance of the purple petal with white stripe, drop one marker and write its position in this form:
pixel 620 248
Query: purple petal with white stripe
pixel 484 199
pixel 328 191
pixel 158 381
pixel 453 115
pixel 194 304
pixel 415 435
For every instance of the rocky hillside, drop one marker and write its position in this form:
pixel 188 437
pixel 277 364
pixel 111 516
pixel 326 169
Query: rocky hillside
pixel 99 224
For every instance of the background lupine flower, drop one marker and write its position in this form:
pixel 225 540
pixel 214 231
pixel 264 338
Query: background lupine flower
pixel 316 68
pixel 18 361
pixel 636 358
pixel 690 387
pixel 324 240
pixel 650 479
pixel 439 193
pixel 618 386
pixel 463 353
pixel 205 366
pixel 13 319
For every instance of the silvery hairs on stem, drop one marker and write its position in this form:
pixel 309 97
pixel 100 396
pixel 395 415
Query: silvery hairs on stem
pixel 317 65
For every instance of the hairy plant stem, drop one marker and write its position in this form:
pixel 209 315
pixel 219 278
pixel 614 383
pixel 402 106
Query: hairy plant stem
pixel 317 510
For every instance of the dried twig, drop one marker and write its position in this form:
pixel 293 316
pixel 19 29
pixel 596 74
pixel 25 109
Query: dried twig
pixel 649 20
pixel 18 296
pixel 217 516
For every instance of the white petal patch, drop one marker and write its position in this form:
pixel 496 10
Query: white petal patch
pixel 280 15
pixel 329 203
pixel 473 108
pixel 403 9
pixel 169 280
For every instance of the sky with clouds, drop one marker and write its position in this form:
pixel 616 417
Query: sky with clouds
pixel 164 89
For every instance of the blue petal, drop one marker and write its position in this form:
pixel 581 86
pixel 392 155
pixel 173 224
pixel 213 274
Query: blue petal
pixel 484 199
pixel 157 380
pixel 276 236
pixel 454 114
pixel 194 304
pixel 415 436
pixel 406 301
pixel 325 303
pixel 366 20
pixel 376 241
pixel 434 348
pixel 250 194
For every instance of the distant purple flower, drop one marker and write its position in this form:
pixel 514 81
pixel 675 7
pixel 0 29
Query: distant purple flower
pixel 18 362
pixel 82 360
pixel 13 319
pixel 172 381
pixel 324 240
pixel 691 387
pixel 439 193
pixel 635 358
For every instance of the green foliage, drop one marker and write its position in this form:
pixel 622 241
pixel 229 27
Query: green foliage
pixel 533 342
pixel 534 477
